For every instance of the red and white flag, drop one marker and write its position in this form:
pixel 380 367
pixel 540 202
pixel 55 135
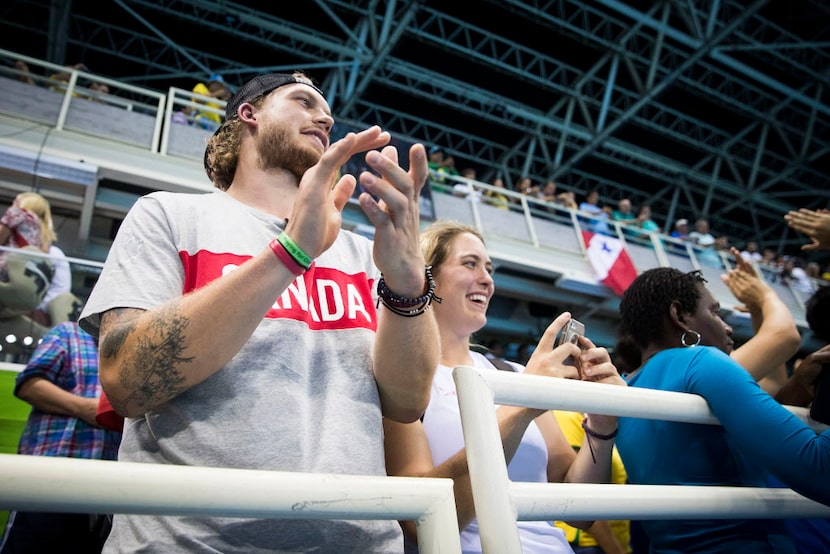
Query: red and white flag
pixel 610 261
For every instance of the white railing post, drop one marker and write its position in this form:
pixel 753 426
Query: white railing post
pixel 42 483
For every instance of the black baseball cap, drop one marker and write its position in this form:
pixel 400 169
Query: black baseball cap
pixel 260 86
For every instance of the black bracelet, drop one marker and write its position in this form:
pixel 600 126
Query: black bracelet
pixel 407 306
pixel 591 434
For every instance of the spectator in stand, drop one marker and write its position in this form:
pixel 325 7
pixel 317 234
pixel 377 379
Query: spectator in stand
pixel 796 276
pixel 567 199
pixel 98 90
pixel 701 235
pixel 60 381
pixel 705 240
pixel 440 164
pixel 644 220
pixel 526 187
pixel 215 88
pixel 750 252
pixel 556 199
pixel 681 229
pixel 466 189
pixel 436 158
pixel 591 206
pixel 61 78
pixel 27 222
pixel 449 166
pixel 548 192
pixel 768 257
pixel 624 212
pixel 722 243
pixel 495 197
pixel 24 75
pixel 813 223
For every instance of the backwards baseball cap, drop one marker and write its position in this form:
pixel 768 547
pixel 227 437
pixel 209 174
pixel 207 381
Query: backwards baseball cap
pixel 681 222
pixel 260 86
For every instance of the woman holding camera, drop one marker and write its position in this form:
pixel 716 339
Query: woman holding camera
pixel 535 447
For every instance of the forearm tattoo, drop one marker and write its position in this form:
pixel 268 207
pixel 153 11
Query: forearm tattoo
pixel 150 370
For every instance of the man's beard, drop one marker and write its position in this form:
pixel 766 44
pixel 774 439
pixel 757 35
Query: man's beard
pixel 277 150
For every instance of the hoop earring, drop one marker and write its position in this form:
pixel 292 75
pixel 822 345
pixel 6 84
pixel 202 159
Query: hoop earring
pixel 683 338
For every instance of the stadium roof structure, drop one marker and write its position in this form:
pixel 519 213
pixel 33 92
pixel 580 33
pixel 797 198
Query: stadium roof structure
pixel 698 108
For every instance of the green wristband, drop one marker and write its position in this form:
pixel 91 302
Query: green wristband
pixel 296 252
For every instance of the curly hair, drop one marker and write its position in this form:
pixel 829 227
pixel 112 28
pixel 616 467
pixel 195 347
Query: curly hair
pixel 222 153
pixel 645 304
pixel 626 355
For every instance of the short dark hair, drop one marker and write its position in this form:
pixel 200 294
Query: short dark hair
pixel 645 304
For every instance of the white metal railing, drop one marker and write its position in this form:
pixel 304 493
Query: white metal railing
pixel 500 503
pixel 38 483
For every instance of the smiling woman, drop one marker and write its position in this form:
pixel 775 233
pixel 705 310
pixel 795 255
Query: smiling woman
pixel 535 447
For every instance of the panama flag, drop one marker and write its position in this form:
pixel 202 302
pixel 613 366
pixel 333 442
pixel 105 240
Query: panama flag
pixel 610 260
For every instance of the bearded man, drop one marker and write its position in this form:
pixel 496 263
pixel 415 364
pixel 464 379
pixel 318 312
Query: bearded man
pixel 243 328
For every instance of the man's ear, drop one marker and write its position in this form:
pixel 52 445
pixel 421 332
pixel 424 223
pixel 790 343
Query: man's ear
pixel 246 112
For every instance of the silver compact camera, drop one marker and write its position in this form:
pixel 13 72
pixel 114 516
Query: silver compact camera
pixel 571 333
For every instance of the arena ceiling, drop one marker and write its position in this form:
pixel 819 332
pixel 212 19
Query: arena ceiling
pixel 699 108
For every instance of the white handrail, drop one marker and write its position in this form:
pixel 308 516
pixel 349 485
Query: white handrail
pixel 38 483
pixel 500 503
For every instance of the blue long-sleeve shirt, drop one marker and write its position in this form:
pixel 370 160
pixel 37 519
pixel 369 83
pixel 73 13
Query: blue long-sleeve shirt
pixel 757 437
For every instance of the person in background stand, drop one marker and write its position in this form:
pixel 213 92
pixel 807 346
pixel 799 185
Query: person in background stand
pixel 27 222
pixel 496 197
pixel 600 216
pixel 61 383
pixel 681 229
pixel 750 252
pixel 210 304
pixel 215 88
pixel 644 220
pixel 534 446
pixel 701 235
pixel 624 212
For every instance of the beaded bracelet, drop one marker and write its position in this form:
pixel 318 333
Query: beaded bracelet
pixel 407 306
pixel 591 434
pixel 288 261
pixel 296 252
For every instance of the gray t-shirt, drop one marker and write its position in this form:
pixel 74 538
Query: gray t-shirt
pixel 299 396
